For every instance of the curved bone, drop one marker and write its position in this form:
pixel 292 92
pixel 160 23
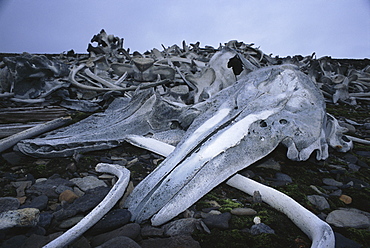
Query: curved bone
pixel 242 124
pixel 99 211
pixel 317 230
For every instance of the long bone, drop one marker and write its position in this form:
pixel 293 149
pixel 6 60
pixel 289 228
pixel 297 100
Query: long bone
pixel 317 230
pixel 99 211
pixel 243 123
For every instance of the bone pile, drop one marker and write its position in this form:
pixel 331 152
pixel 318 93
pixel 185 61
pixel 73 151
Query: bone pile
pixel 202 108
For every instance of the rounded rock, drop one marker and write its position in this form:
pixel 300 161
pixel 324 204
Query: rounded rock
pixel 68 196
pixel 243 211
pixel 346 199
pixel 348 218
pixel 8 203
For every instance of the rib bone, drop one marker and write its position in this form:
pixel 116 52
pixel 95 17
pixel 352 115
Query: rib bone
pixel 99 211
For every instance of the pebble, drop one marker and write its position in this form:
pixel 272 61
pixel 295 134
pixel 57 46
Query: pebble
pixel 68 223
pixel 112 220
pixel 270 164
pixel 261 228
pixel 183 241
pixel 346 199
pixel 21 187
pixel 8 203
pixel 336 193
pixel 39 202
pixel 343 242
pixel 318 201
pixel 332 182
pixel 243 211
pixel 48 187
pixel 151 231
pixel 220 221
pixel 283 177
pixel 348 218
pixel 85 203
pixel 211 212
pixel 19 218
pixel 68 196
pixel 88 182
pixel 120 241
pixel 181 227
pixel 131 230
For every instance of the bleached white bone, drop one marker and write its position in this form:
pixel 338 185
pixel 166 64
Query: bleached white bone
pixel 318 231
pixel 99 211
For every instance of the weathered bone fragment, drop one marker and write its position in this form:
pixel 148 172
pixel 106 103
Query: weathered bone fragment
pixel 99 211
pixel 28 75
pixel 33 131
pixel 242 124
pixel 146 114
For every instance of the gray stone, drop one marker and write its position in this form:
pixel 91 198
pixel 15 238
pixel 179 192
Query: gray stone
pixel 220 221
pixel 243 211
pixel 350 158
pixel 343 242
pixel 21 186
pixel 45 219
pixel 48 187
pixel 39 202
pixel 15 241
pixel 8 203
pixel 37 241
pixel 19 218
pixel 283 177
pixel 353 167
pixel 82 242
pixel 181 227
pixel 120 242
pixel 68 223
pixel 131 230
pixel 151 231
pixel 88 182
pixel 60 188
pixel 332 182
pixel 348 218
pixel 261 228
pixel 318 201
pixel 82 204
pixel 112 220
pixel 367 126
pixel 171 242
pixel 270 164
pixel 336 193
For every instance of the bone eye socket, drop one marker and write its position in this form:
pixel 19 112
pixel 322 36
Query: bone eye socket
pixel 283 121
pixel 263 124
pixel 345 139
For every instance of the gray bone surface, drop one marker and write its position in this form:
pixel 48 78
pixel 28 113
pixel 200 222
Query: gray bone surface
pixel 143 115
pixel 242 124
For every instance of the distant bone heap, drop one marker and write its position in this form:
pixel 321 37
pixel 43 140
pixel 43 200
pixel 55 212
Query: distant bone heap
pixel 222 108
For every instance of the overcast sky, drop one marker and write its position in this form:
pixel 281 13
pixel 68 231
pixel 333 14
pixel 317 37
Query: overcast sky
pixel 337 28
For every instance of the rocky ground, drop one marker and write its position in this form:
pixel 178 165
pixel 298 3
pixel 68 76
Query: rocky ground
pixel 66 189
